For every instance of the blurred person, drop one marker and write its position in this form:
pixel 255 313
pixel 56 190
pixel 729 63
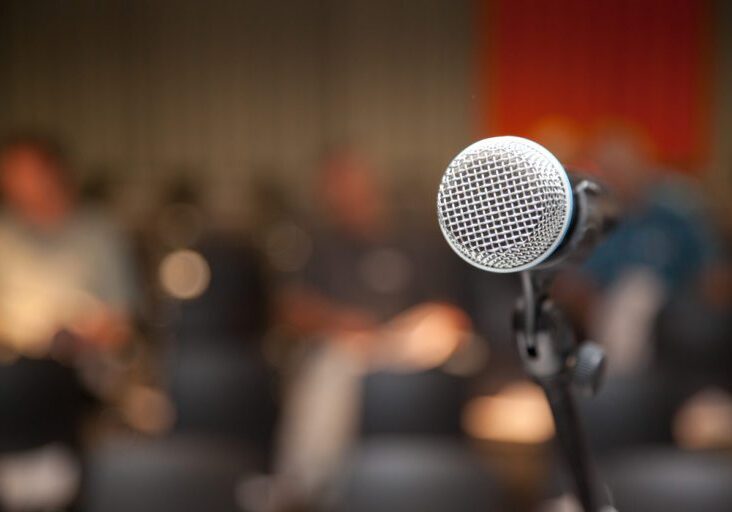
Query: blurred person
pixel 374 294
pixel 364 267
pixel 66 296
pixel 661 247
pixel 211 275
pixel 62 268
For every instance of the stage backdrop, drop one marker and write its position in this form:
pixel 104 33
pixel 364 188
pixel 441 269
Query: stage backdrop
pixel 589 63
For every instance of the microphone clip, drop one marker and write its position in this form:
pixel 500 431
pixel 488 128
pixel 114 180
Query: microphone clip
pixel 547 343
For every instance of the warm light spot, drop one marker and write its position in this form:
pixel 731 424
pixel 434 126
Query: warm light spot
pixel 148 410
pixel 431 343
pixel 424 338
pixel 44 478
pixel 563 503
pixel 705 421
pixel 519 413
pixel 184 274
pixel 568 503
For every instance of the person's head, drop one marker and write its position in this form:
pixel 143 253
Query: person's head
pixel 34 180
pixel 563 137
pixel 350 193
pixel 625 158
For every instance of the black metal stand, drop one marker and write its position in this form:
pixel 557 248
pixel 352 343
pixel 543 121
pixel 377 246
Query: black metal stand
pixel 552 357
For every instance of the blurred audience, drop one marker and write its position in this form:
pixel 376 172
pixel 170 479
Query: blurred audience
pixel 380 318
pixel 374 294
pixel 372 329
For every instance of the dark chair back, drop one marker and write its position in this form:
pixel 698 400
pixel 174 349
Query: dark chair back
pixel 223 391
pixel 427 475
pixel 177 474
pixel 629 411
pixel 423 403
pixel 670 481
pixel 41 401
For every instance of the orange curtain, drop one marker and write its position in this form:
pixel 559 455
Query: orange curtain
pixel 641 62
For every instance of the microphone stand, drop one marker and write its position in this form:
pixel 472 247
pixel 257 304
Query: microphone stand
pixel 552 358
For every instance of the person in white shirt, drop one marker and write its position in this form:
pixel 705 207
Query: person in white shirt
pixel 63 269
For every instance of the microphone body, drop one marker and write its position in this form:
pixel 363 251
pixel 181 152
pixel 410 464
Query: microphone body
pixel 506 204
pixel 594 214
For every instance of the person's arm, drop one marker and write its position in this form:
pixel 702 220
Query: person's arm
pixel 109 323
pixel 307 312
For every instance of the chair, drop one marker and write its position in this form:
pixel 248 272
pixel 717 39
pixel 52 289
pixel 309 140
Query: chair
pixel 234 307
pixel 426 475
pixel 181 474
pixel 223 392
pixel 423 403
pixel 670 480
pixel 630 410
pixel 692 341
pixel 41 402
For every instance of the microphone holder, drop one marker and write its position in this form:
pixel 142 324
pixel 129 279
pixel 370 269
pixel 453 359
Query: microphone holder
pixel 552 357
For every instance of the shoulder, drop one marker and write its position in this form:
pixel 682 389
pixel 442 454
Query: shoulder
pixel 93 228
pixel 93 220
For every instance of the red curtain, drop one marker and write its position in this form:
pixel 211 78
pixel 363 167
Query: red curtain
pixel 592 62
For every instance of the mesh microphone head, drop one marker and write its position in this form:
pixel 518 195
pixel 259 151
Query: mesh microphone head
pixel 504 204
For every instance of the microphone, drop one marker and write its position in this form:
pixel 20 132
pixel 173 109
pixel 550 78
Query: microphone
pixel 506 204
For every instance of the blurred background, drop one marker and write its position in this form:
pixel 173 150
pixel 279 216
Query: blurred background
pixel 222 286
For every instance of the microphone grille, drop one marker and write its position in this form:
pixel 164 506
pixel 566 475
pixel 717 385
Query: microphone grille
pixel 504 204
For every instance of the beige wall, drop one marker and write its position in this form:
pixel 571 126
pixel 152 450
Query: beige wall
pixel 229 88
pixel 223 87
pixel 720 175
